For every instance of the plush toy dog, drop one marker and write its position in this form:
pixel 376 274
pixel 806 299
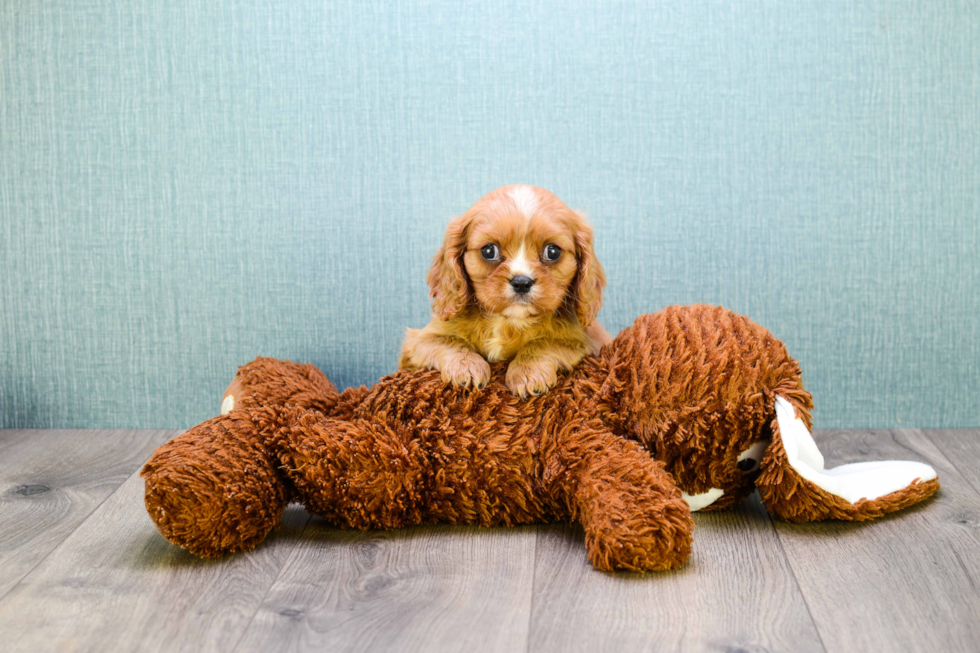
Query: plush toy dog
pixel 687 409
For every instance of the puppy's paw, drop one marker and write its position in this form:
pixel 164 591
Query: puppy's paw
pixel 531 378
pixel 466 369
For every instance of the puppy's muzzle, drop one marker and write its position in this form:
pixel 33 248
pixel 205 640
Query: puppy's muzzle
pixel 522 285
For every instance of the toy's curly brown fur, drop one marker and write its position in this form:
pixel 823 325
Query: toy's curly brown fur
pixel 668 405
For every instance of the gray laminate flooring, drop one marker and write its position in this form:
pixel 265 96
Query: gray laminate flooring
pixel 82 568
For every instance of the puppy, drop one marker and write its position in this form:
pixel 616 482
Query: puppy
pixel 516 280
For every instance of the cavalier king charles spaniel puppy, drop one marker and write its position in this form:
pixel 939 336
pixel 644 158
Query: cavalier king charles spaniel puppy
pixel 516 280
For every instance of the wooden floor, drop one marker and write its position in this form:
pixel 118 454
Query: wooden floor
pixel 83 568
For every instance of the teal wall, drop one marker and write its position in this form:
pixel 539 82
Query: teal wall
pixel 187 184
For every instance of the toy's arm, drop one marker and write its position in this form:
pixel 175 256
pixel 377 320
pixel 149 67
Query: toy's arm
pixel 631 509
pixel 273 382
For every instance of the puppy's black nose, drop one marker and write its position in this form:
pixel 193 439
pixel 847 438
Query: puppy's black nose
pixel 522 285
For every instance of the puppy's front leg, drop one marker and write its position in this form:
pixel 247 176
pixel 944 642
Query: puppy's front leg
pixel 458 362
pixel 534 370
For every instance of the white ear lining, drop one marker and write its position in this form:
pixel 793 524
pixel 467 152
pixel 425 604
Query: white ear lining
pixel 853 482
pixel 797 441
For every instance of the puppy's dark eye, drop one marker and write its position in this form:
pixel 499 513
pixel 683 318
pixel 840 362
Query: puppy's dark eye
pixel 490 253
pixel 747 464
pixel 552 253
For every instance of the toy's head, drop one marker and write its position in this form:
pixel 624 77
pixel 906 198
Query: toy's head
pixel 719 400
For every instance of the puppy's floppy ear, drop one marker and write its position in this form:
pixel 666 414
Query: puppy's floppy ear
pixel 449 287
pixel 590 278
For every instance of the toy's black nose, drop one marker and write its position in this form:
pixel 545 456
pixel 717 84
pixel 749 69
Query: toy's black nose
pixel 522 285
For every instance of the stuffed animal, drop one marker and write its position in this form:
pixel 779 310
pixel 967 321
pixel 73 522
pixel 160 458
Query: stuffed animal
pixel 687 409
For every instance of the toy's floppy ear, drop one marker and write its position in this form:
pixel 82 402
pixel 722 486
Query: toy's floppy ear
pixel 794 484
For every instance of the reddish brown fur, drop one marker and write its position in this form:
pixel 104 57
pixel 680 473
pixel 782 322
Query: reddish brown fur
pixel 477 317
pixel 667 406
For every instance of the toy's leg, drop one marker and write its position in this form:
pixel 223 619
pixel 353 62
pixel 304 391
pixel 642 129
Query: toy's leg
pixel 355 473
pixel 272 382
pixel 794 484
pixel 215 488
pixel 632 511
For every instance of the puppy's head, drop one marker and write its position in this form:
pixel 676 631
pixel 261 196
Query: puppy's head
pixel 518 252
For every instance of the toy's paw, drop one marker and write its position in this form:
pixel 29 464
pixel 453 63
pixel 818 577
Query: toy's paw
pixel 531 378
pixel 230 398
pixel 466 369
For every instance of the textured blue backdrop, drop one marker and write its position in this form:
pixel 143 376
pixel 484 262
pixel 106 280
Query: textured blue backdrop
pixel 187 184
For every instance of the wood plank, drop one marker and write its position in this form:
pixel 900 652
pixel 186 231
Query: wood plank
pixel 736 593
pixel 961 448
pixel 51 480
pixel 116 584
pixel 439 588
pixel 906 582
